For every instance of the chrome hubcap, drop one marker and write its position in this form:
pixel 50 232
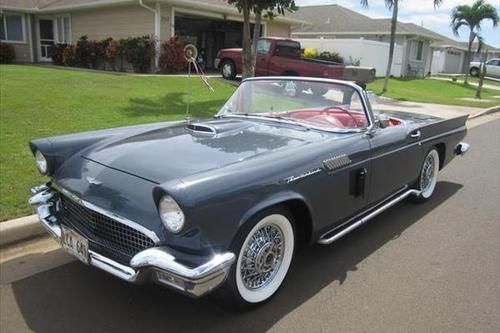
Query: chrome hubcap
pixel 427 176
pixel 262 257
pixel 226 69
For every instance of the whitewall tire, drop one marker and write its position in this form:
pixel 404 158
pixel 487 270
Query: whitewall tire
pixel 264 249
pixel 428 176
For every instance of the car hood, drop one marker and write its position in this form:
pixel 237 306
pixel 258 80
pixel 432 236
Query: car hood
pixel 168 153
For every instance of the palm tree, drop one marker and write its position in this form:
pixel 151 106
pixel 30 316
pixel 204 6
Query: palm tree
pixel 394 6
pixel 472 17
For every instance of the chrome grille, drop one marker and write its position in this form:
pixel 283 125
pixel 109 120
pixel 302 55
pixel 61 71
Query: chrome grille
pixel 103 230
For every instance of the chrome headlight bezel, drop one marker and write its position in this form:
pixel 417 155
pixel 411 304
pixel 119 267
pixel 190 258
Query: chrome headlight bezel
pixel 41 162
pixel 171 214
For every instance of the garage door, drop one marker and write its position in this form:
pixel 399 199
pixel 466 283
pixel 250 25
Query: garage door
pixel 452 63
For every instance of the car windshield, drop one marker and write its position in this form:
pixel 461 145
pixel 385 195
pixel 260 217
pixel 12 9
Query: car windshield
pixel 321 105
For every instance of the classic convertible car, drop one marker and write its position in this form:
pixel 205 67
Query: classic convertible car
pixel 222 203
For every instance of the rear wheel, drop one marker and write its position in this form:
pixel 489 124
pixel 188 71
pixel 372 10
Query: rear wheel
pixel 228 69
pixel 474 71
pixel 427 181
pixel 265 250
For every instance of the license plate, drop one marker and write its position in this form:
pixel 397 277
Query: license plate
pixel 75 244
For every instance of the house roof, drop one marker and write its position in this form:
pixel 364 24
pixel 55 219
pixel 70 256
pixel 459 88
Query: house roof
pixel 337 20
pixel 49 6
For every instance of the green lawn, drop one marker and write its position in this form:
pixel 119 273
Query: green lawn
pixel 38 102
pixel 434 91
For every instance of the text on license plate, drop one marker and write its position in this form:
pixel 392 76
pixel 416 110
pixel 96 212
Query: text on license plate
pixel 75 244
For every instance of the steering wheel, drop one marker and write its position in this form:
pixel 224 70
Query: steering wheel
pixel 326 109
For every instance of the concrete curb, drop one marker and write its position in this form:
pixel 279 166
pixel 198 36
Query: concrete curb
pixel 485 112
pixel 20 229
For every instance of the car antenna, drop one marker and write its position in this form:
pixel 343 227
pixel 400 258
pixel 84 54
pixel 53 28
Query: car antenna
pixel 190 55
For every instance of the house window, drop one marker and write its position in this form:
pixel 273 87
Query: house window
pixel 63 29
pixel 417 50
pixel 12 28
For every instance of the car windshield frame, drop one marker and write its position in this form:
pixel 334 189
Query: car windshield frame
pixel 363 97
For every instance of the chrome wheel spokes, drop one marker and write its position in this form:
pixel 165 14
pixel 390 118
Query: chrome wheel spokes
pixel 427 176
pixel 262 256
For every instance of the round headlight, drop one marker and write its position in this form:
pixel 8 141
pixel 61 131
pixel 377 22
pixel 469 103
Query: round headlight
pixel 171 214
pixel 41 162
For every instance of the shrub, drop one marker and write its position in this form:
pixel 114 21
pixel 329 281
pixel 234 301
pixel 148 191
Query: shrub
pixel 113 51
pixel 310 52
pixel 90 53
pixel 7 53
pixel 68 56
pixel 56 53
pixel 140 53
pixel 330 56
pixel 172 56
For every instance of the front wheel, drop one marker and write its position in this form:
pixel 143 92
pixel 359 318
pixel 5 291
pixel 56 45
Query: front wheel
pixel 427 181
pixel 265 250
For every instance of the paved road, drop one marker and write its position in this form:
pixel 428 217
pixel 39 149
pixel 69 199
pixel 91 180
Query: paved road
pixel 433 267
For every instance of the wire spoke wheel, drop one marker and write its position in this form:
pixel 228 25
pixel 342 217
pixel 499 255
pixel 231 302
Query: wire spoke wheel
pixel 429 174
pixel 264 258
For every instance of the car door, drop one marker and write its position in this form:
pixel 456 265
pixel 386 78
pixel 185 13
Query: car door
pixel 395 162
pixel 263 49
pixel 493 68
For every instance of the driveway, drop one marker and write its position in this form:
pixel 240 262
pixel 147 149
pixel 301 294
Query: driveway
pixel 438 110
pixel 432 267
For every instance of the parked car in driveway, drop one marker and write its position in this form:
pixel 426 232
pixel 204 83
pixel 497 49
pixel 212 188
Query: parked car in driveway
pixel 281 56
pixel 492 67
pixel 220 204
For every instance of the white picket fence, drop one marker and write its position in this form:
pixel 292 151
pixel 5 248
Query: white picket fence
pixel 371 53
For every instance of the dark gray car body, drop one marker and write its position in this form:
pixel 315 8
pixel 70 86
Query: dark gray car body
pixel 221 180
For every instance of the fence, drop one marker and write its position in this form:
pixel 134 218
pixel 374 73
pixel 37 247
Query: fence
pixel 370 53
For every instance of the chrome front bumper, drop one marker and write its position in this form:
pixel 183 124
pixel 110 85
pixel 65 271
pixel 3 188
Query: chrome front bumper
pixel 154 264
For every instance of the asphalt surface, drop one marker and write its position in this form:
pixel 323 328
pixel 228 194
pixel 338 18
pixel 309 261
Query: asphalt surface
pixel 432 267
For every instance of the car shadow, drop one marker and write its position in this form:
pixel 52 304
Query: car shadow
pixel 173 105
pixel 76 298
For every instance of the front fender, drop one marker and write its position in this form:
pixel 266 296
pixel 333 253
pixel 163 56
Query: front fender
pixel 279 198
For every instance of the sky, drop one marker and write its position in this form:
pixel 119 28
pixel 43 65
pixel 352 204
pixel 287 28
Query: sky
pixel 420 12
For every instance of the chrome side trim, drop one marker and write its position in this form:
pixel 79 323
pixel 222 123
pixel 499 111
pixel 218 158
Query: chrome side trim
pixel 134 225
pixel 366 218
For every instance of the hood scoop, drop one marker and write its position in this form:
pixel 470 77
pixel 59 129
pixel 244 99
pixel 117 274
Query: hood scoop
pixel 201 128
pixel 216 127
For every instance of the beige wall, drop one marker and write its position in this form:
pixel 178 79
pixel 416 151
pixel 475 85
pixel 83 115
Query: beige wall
pixel 116 22
pixel 22 52
pixel 277 29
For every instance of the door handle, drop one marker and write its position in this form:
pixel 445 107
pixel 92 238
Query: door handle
pixel 415 135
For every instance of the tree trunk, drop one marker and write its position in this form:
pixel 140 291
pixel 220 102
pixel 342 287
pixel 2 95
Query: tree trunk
pixel 255 39
pixel 482 73
pixel 472 35
pixel 394 23
pixel 246 55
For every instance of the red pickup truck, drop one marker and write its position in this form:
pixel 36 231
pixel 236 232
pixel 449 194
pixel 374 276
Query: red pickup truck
pixel 279 56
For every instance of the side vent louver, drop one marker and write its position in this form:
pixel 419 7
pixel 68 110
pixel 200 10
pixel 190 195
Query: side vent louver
pixel 337 162
pixel 201 128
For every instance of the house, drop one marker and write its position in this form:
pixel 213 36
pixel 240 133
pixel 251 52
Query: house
pixel 337 22
pixel 423 51
pixel 32 26
pixel 449 56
